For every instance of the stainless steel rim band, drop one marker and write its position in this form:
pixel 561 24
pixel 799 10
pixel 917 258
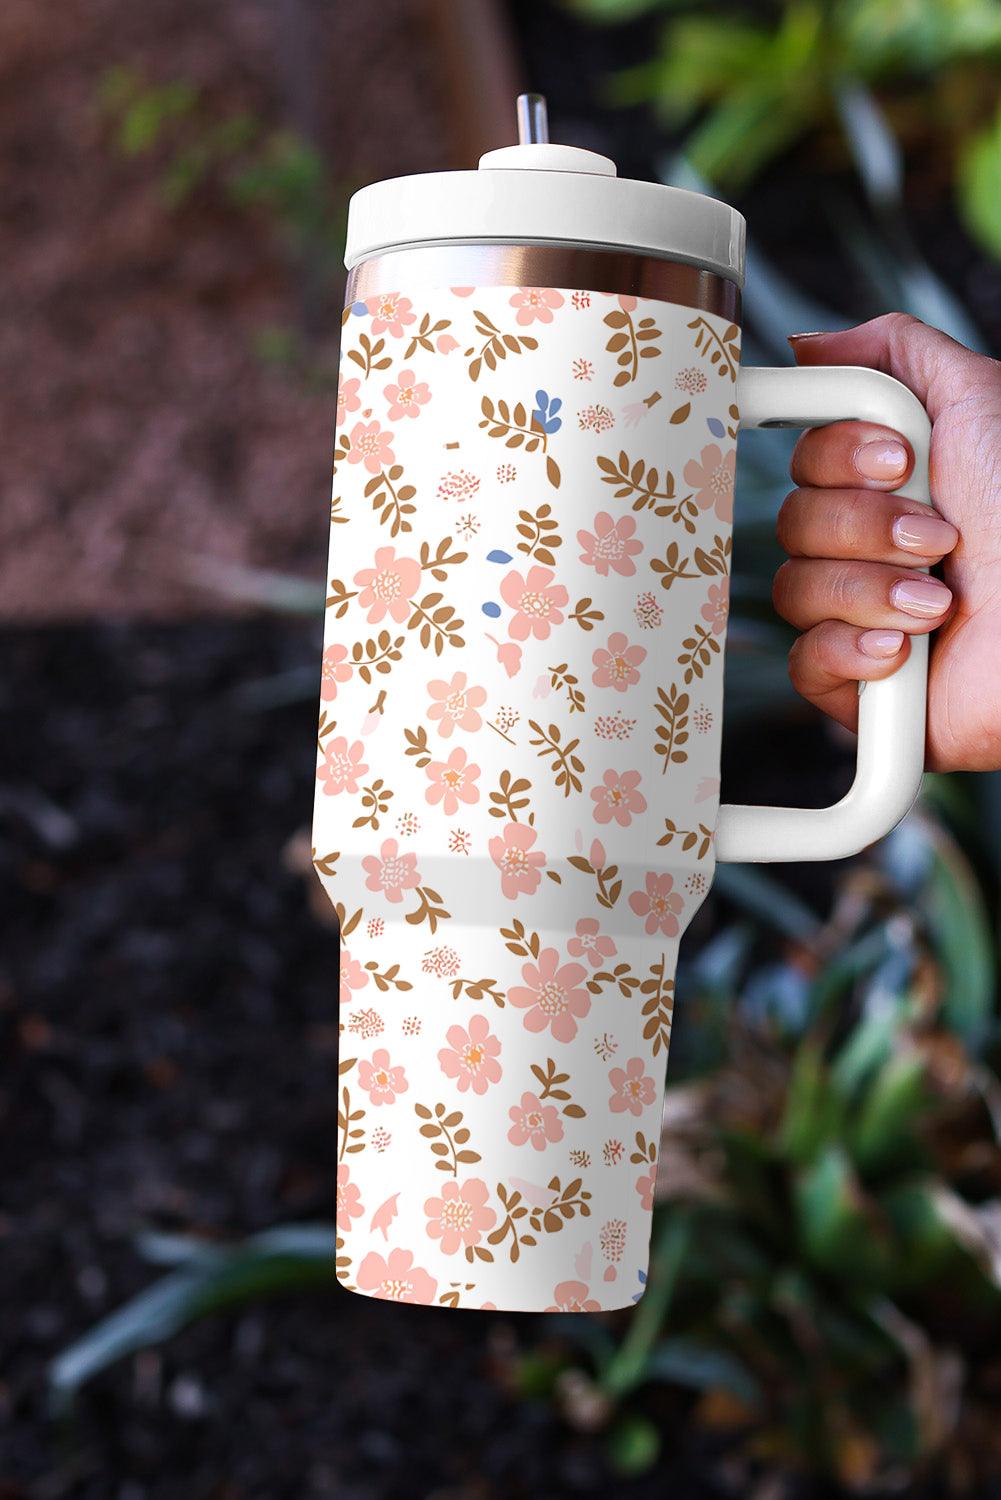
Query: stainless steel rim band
pixel 582 267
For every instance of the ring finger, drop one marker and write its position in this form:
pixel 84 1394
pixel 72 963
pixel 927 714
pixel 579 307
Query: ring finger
pixel 808 590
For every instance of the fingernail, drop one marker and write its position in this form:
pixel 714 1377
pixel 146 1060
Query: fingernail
pixel 881 643
pixel 924 597
pixel 925 533
pixel 818 333
pixel 881 460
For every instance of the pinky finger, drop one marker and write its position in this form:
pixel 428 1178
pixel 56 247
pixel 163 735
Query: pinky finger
pixel 826 662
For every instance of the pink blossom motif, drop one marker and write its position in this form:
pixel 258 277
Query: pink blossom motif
pixel 459 1216
pixel 537 603
pixel 370 445
pixel 660 904
pixel 471 1056
pixel 551 996
pixel 611 546
pixel 452 782
pixel 406 396
pixel 380 1080
pixel 632 1088
pixel 353 976
pixel 536 304
pixel 534 1123
pixel 583 369
pixel 648 612
pixel 691 380
pixel 590 943
pixel 455 705
pixel 646 1186
pixel 520 865
pixel 335 668
pixel 617 797
pixel 717 606
pixel 391 313
pixel 342 766
pixel 388 587
pixel 391 872
pixel 573 1296
pixel 617 664
pixel 707 788
pixel 347 397
pixel 445 343
pixel 395 1278
pixel 349 1204
pixel 711 477
pixel 597 418
pixel 508 655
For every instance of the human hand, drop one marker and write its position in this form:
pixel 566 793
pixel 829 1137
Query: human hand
pixel 852 584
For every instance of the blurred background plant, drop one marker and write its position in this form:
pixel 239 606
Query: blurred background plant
pixel 746 83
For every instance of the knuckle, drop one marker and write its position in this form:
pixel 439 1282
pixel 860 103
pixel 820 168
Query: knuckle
pixel 784 587
pixel 788 521
pixel 841 587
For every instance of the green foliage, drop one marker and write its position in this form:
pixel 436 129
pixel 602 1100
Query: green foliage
pixel 748 85
pixel 233 156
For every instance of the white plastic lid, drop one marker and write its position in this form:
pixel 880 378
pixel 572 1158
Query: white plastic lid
pixel 537 192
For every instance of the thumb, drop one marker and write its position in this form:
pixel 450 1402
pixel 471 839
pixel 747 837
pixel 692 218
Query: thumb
pixel 937 369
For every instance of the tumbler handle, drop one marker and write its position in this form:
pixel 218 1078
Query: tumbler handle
pixel 891 723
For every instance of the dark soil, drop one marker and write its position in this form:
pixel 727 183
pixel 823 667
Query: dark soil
pixel 168 1018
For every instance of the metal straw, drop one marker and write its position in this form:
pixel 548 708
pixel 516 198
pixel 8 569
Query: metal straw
pixel 533 120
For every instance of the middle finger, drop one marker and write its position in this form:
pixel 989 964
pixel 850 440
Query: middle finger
pixel 808 590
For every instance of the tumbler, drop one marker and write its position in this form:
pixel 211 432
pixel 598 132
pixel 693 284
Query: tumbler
pixel 517 783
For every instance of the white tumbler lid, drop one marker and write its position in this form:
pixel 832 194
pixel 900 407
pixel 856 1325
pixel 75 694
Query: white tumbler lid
pixel 536 192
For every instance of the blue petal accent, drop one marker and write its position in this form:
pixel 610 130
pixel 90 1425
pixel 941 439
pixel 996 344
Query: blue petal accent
pixel 554 406
pixel 491 609
pixel 498 556
pixel 716 427
pixel 541 399
pixel 359 309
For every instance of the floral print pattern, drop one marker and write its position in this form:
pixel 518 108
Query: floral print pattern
pixel 517 774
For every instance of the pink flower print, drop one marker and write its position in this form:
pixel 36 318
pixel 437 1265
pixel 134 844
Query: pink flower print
pixel 617 797
pixel 353 976
pixel 589 942
pixel 452 782
pixel 659 903
pixel 632 1088
pixel 334 669
pixel 455 706
pixel 390 313
pixel 596 854
pixel 342 766
pixel 406 396
pixel 520 865
pixel 445 343
pixel 717 606
pixel 396 1278
pixel 534 1122
pixel 508 655
pixel 583 369
pixel 347 397
pixel 551 996
pixel 389 586
pixel 443 961
pixel 537 603
pixel 471 1056
pixel 611 545
pixel 370 445
pixel 536 304
pixel 391 872
pixel 573 1296
pixel 707 787
pixel 711 477
pixel 460 1215
pixel 349 1205
pixel 380 1080
pixel 617 665
pixel 646 1185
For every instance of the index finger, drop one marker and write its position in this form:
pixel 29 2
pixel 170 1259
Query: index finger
pixel 852 455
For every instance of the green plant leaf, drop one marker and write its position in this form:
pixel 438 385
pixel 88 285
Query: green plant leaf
pixel 978 185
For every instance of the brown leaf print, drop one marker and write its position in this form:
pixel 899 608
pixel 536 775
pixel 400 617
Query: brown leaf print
pixel 658 1007
pixel 448 1137
pixel 723 349
pixel 630 341
pixel 496 345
